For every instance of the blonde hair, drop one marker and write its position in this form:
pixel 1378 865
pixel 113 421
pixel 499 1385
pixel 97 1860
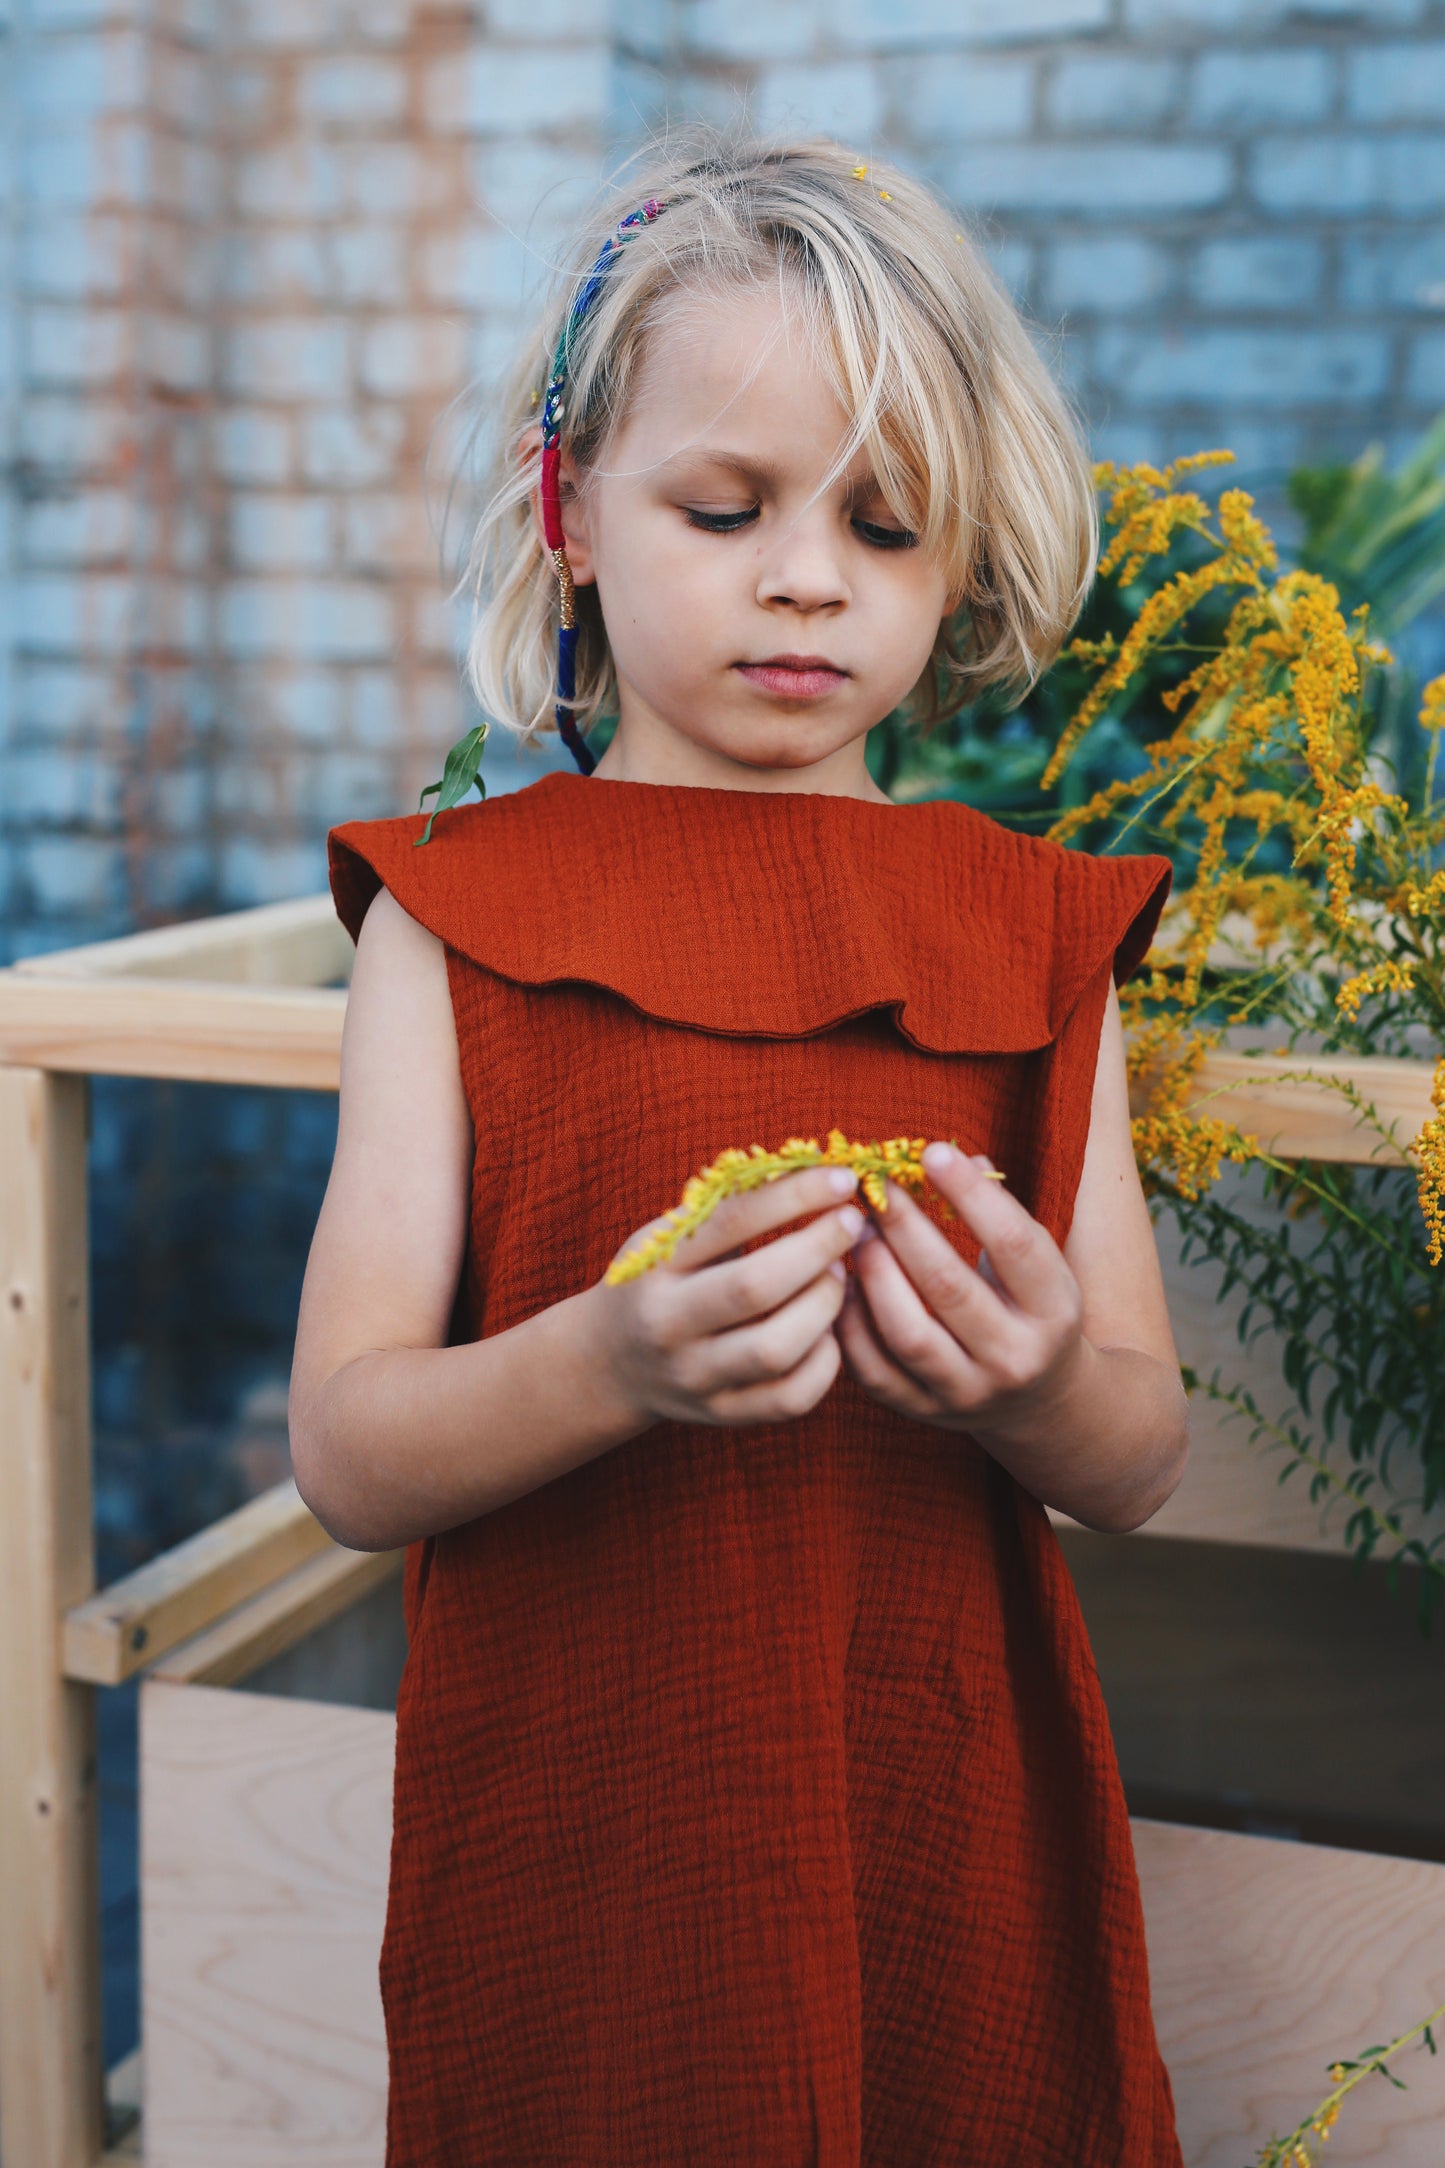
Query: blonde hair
pixel 974 446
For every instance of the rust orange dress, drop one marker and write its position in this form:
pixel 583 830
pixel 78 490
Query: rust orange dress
pixel 755 1799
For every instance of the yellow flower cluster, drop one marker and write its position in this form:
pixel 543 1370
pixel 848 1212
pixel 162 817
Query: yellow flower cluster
pixel 1388 976
pixel 1192 1147
pixel 1270 736
pixel 734 1170
pixel 1418 901
pixel 1429 1150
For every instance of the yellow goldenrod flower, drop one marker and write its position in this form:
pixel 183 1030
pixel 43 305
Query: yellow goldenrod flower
pixel 899 1159
pixel 1429 1150
pixel 1386 977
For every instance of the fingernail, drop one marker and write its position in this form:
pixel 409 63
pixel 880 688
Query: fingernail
pixel 869 1233
pixel 837 1269
pixel 851 1219
pixel 842 1181
pixel 939 1156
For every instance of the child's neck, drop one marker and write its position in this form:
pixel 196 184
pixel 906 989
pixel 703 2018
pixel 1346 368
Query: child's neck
pixel 671 758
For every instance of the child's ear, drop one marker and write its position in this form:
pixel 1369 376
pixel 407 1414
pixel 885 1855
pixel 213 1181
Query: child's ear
pixel 574 520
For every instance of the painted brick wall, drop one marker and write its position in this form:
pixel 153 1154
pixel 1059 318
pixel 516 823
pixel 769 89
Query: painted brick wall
pixel 1231 210
pixel 255 249
pixel 258 249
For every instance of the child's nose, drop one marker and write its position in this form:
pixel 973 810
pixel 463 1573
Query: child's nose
pixel 804 569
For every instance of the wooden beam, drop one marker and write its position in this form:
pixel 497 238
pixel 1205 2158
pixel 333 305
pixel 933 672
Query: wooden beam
pixel 124 1628
pixel 1260 1094
pixel 50 2007
pixel 205 1034
pixel 279 1617
pixel 297 943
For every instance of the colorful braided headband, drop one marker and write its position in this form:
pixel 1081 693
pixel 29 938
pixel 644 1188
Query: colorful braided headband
pixel 463 763
pixel 553 410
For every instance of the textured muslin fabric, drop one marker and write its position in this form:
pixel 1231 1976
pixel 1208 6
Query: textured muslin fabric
pixel 755 1800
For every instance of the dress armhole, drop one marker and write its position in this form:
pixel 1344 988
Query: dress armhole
pixel 1107 913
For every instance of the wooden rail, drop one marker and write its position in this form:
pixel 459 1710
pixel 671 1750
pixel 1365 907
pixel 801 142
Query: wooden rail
pixel 126 1626
pixel 254 997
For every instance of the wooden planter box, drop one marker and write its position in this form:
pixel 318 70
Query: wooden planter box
pixel 266 1821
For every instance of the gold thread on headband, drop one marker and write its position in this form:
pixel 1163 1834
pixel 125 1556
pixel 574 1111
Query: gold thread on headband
pixel 566 591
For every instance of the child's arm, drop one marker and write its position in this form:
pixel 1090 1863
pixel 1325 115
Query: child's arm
pixel 1061 1363
pixel 394 1435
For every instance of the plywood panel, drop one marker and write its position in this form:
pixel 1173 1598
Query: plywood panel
pixel 1267 1961
pixel 264 1859
pixel 1231 1492
pixel 1273 1692
pixel 265 1838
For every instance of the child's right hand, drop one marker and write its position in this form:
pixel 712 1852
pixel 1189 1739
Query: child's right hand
pixel 706 1337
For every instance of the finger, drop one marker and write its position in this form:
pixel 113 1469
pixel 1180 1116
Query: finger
pixel 1026 1260
pixel 870 1362
pixel 933 1286
pixel 742 1217
pixel 766 1349
pixel 917 1338
pixel 735 1289
pixel 782 1399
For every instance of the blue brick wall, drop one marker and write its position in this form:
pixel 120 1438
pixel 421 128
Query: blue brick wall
pixel 1201 196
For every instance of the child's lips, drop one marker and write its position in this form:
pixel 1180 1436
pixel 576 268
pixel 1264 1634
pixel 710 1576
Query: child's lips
pixel 795 677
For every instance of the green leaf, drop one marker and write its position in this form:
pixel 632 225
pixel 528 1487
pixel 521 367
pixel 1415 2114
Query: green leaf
pixel 459 773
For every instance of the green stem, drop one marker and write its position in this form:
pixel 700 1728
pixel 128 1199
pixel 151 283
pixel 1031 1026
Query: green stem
pixel 1277 2151
pixel 1244 1403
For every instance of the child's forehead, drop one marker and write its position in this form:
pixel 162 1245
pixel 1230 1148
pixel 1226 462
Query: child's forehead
pixel 730 338
pixel 736 378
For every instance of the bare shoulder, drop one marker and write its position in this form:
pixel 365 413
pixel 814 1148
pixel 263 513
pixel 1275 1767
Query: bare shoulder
pixel 397 961
pixel 390 1239
pixel 401 1084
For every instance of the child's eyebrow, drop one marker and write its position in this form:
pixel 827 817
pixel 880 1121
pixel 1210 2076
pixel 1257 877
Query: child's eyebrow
pixel 750 469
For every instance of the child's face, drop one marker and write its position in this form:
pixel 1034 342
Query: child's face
pixel 753 627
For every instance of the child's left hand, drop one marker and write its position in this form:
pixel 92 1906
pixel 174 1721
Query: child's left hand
pixel 993 1349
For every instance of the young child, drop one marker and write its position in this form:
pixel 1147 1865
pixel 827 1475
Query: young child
pixel 755 1801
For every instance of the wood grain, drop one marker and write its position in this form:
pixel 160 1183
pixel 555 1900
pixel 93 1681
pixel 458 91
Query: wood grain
pixel 50 2015
pixel 265 1840
pixel 280 1617
pixel 1231 1492
pixel 1269 1960
pixel 192 1030
pixel 265 1845
pixel 1297 1117
pixel 124 1627
pixel 300 942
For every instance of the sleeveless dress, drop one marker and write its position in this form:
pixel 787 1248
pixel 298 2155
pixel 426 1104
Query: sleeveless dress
pixel 755 1801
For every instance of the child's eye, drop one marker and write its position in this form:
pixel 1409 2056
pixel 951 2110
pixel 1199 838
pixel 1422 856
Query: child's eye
pixel 873 531
pixel 886 538
pixel 719 522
